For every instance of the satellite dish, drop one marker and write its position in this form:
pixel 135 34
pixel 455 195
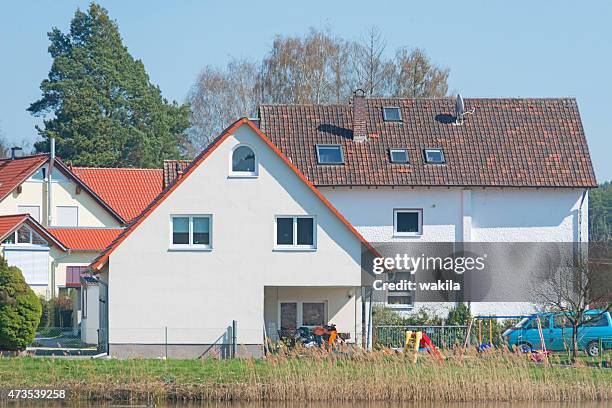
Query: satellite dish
pixel 459 108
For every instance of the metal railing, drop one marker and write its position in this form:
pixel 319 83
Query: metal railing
pixel 441 336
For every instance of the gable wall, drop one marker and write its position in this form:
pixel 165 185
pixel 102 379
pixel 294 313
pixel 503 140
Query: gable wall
pixel 34 192
pixel 201 292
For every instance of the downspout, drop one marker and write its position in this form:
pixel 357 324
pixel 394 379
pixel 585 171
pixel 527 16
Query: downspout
pixel 105 301
pixel 49 180
pixel 584 193
pixel 580 253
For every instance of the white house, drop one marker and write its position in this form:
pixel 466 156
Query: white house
pixel 500 170
pixel 243 236
pixel 267 226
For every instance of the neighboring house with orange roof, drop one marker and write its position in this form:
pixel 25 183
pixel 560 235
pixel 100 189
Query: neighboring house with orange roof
pixel 89 208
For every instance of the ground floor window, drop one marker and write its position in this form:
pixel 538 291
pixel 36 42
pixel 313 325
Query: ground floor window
pixel 400 297
pixel 294 314
pixel 33 261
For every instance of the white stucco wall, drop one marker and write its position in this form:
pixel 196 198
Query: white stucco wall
pixel 196 294
pixel 496 215
pixel 477 215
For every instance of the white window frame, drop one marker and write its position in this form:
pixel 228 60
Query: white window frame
pixel 57 207
pixel 399 150
pixel 402 306
pixel 328 146
pixel 300 311
pixel 399 111
pixel 295 246
pixel 434 149
pixel 243 174
pixel 419 211
pixel 191 246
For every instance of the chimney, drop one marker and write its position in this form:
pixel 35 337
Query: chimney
pixel 14 151
pixel 359 116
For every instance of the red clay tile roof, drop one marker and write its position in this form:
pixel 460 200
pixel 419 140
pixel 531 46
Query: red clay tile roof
pixel 13 172
pixel 127 191
pixel 506 142
pixel 172 168
pixel 9 223
pixel 104 255
pixel 85 239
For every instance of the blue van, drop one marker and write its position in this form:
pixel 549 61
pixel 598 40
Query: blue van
pixel 557 333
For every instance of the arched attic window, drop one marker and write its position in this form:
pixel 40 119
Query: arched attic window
pixel 244 162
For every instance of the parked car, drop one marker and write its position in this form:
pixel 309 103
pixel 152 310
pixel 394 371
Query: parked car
pixel 557 333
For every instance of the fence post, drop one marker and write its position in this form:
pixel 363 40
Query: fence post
pixel 166 341
pixel 234 337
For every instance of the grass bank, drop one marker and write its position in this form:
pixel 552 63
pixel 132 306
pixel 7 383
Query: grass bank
pixel 377 376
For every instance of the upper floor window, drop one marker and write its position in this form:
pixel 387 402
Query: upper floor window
pixel 33 210
pixel 392 114
pixel 330 154
pixel 244 161
pixel 398 155
pixel 67 216
pixel 295 232
pixel 407 222
pixel 191 232
pixel 434 156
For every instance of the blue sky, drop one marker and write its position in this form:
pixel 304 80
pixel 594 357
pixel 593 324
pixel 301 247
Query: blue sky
pixel 493 48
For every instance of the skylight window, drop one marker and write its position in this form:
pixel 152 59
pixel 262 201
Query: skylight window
pixel 330 154
pixel 392 114
pixel 434 156
pixel 398 155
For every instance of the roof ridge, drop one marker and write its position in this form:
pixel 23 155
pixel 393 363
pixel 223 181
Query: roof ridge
pixel 84 228
pixel 441 98
pixel 116 168
pixel 30 156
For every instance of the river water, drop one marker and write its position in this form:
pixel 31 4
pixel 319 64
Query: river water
pixel 607 404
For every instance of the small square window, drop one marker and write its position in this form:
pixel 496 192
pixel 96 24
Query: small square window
pixel 330 154
pixel 295 232
pixel 191 232
pixel 392 114
pixel 398 155
pixel 407 222
pixel 434 156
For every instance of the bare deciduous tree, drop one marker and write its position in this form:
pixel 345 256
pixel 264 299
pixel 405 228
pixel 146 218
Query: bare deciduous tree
pixel 575 288
pixel 416 77
pixel 219 97
pixel 315 68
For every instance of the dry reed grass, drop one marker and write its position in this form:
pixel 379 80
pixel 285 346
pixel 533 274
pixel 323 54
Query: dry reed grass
pixel 347 375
